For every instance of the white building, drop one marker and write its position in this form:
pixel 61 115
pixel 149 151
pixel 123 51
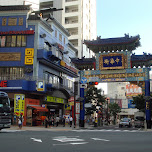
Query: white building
pixel 34 3
pixel 79 18
pixel 117 93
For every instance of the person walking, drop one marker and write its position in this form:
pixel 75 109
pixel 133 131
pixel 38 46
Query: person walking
pixel 63 121
pixel 20 121
pixel 57 120
pixel 71 119
pixel 46 122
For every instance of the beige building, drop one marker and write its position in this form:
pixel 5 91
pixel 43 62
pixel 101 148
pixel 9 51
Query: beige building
pixel 79 18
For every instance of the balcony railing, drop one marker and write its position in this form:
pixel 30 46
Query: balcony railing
pixel 31 78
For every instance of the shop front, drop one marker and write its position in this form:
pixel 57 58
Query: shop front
pixel 35 113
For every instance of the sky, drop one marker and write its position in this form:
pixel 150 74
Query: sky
pixel 133 17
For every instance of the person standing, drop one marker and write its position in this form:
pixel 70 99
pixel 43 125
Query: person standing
pixel 63 121
pixel 46 122
pixel 71 119
pixel 57 121
pixel 20 121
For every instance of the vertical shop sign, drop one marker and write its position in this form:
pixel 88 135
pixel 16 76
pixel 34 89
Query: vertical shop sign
pixel 19 103
pixel 77 105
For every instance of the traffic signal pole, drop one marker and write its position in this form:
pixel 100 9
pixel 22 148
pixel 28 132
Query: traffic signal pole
pixel 82 108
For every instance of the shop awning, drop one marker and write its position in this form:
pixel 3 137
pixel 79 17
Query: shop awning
pixel 38 108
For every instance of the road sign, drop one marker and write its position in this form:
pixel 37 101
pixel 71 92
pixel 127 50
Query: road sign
pixel 94 79
pixel 84 80
pixel 83 85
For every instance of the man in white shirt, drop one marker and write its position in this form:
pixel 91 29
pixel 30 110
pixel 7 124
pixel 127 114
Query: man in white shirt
pixel 71 119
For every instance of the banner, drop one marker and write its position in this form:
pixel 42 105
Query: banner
pixel 19 104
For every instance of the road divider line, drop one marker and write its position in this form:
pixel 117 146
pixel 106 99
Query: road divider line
pixel 37 140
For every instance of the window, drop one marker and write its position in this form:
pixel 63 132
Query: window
pixel 60 37
pixel 13 41
pixel 55 33
pixel 19 40
pixel 3 40
pixel 11 73
pixel 64 40
pixel 8 41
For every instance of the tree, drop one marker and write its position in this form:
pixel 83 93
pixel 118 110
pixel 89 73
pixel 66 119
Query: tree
pixel 114 109
pixel 94 97
pixel 139 102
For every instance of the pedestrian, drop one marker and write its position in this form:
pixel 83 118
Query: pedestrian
pixel 63 121
pixel 95 122
pixel 57 121
pixel 71 119
pixel 20 121
pixel 46 122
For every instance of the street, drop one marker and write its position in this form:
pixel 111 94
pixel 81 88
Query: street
pixel 76 140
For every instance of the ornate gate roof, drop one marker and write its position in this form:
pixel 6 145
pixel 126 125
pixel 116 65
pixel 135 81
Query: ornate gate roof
pixel 113 44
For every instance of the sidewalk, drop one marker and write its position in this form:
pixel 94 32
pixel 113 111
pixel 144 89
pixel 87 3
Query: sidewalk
pixel 42 128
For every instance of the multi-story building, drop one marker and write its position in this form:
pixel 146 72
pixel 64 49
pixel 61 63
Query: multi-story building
pixel 35 65
pixel 117 93
pixel 79 18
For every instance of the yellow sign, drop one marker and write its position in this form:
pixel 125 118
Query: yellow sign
pixel 19 104
pixel 55 99
pixel 29 54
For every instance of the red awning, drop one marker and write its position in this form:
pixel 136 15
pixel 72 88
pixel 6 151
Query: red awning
pixel 38 108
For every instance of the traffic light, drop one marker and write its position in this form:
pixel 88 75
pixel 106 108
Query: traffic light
pixel 93 83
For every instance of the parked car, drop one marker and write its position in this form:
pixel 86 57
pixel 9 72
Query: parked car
pixel 139 122
pixel 125 122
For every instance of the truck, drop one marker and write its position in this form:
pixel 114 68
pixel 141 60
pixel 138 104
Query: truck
pixel 139 118
pixel 5 113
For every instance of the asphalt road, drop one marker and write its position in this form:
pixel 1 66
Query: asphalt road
pixel 75 141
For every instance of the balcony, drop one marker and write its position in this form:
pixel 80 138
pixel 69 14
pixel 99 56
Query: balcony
pixel 70 0
pixel 71 9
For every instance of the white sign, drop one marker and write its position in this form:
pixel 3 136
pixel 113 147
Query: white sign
pixel 77 107
pixel 83 85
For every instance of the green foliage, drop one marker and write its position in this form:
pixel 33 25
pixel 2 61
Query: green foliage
pixel 94 97
pixel 114 109
pixel 139 101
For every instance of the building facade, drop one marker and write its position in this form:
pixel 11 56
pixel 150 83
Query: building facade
pixel 35 64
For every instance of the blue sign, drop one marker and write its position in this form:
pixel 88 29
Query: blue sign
pixel 112 61
pixel 130 104
pixel 84 80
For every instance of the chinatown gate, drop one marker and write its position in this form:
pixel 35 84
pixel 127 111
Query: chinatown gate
pixel 115 62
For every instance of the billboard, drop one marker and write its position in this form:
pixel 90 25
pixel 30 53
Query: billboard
pixel 133 90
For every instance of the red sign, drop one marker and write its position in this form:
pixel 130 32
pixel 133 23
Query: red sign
pixel 17 32
pixel 3 84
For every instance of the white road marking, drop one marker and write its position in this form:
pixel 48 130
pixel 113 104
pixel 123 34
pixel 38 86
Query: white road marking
pixel 66 139
pixel 71 143
pixel 37 140
pixel 5 130
pixel 100 139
